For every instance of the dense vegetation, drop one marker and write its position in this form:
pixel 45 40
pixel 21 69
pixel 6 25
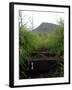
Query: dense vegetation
pixel 29 41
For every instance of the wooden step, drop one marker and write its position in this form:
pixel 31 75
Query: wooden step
pixel 39 59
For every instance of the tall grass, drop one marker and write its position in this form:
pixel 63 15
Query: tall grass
pixel 29 41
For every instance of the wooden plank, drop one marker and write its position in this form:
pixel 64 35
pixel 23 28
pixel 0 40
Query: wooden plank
pixel 43 52
pixel 50 58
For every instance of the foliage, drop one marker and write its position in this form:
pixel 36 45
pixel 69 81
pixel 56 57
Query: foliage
pixel 29 41
pixel 56 39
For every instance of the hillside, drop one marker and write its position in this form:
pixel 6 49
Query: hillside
pixel 45 27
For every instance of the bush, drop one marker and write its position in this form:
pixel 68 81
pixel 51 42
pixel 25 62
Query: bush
pixel 29 41
pixel 56 39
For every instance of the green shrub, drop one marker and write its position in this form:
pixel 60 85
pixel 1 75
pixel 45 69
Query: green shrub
pixel 56 39
pixel 29 41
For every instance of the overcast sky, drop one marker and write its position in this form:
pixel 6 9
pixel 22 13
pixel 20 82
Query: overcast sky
pixel 39 17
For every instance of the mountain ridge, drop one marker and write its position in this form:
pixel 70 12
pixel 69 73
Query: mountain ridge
pixel 44 27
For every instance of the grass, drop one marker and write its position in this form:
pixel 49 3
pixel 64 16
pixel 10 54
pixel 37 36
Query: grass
pixel 29 41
